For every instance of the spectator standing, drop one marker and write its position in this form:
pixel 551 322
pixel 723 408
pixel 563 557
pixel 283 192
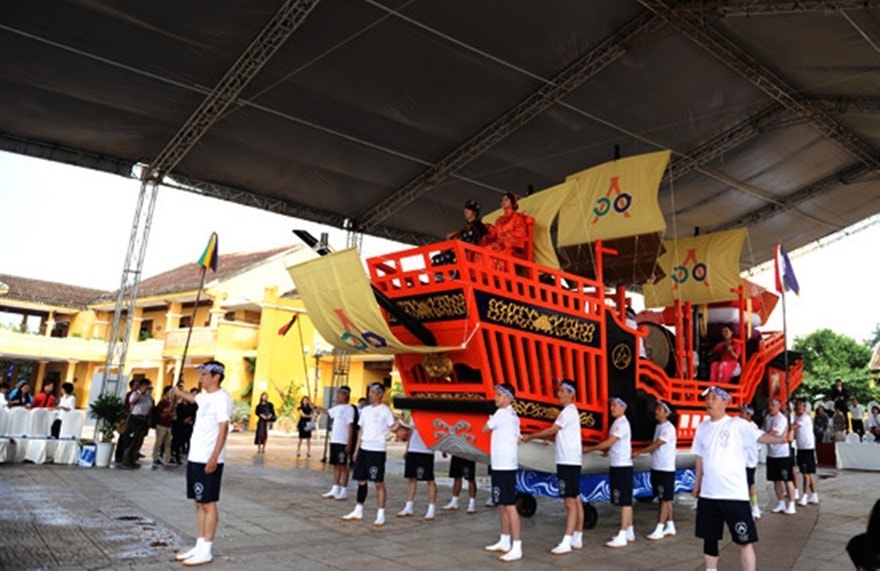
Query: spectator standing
pixel 857 417
pixel 306 425
pixel 840 396
pixel 619 446
pixel 141 402
pixel 184 420
pixel 342 440
pixel 569 459
pixel 204 469
pixel 46 397
pixel 504 459
pixel 164 415
pixel 662 450
pixel 265 412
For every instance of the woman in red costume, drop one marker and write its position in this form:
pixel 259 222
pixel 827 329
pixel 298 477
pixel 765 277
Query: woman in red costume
pixel 510 233
pixel 726 365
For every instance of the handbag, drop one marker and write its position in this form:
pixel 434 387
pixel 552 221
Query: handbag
pixel 310 426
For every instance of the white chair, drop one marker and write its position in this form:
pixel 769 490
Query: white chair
pixel 65 450
pixel 5 445
pixel 853 438
pixel 16 431
pixel 39 435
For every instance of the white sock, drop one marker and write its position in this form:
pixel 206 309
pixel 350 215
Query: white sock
pixel 431 508
pixel 359 510
pixel 505 539
pixel 454 501
pixel 516 547
pixel 380 513
pixel 408 507
pixel 566 541
pixel 206 547
pixel 577 538
pixel 472 504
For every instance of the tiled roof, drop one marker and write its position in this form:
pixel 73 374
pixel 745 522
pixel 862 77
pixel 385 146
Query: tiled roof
pixel 48 293
pixel 874 366
pixel 186 277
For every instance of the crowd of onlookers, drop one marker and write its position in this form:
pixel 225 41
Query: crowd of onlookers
pixel 841 414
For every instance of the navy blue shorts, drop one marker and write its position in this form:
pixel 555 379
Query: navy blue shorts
pixel 750 475
pixel 806 461
pixel 461 468
pixel 369 465
pixel 338 455
pixel 621 485
pixel 737 514
pixel 779 469
pixel 663 485
pixel 569 478
pixel 201 487
pixel 420 466
pixel 504 487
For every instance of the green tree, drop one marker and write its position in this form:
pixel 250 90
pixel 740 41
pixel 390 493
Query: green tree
pixel 875 337
pixel 829 356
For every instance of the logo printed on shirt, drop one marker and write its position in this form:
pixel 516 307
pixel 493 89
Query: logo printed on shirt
pixel 724 438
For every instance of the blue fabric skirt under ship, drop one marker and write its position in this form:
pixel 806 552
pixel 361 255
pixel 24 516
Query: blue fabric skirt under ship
pixel 595 487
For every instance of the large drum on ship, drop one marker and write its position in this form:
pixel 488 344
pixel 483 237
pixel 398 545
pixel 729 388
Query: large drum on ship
pixel 660 347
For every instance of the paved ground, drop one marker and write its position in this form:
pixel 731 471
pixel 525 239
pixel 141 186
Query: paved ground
pixel 272 517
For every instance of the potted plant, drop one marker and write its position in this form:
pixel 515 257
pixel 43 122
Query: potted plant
pixel 108 409
pixel 241 415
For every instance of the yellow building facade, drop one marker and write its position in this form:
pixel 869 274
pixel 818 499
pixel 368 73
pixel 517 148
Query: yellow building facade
pixel 60 333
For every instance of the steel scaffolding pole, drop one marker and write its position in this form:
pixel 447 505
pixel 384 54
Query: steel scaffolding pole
pixel 287 19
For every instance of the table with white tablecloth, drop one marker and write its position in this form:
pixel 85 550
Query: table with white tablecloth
pixel 857 456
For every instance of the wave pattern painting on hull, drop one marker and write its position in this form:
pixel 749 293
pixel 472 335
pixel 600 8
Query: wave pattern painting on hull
pixel 595 488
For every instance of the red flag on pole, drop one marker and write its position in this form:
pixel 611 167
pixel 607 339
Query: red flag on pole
pixel 285 328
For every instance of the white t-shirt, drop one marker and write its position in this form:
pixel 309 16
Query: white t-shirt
pixel 214 408
pixel 68 402
pixel 620 454
pixel 753 452
pixel 3 400
pixel 777 425
pixel 416 444
pixel 873 420
pixel 857 412
pixel 722 447
pixel 505 438
pixel 343 416
pixel 663 458
pixel 375 422
pixel 569 451
pixel 804 436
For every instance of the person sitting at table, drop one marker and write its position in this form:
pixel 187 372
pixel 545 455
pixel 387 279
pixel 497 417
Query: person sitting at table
pixel 473 232
pixel 726 363
pixel 509 234
pixel 874 422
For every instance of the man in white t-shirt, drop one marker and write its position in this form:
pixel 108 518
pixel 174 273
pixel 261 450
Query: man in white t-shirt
pixel 720 445
pixel 805 439
pixel 569 460
pixel 341 442
pixel 662 450
pixel 779 460
pixel 376 420
pixel 207 451
pixel 619 446
pixel 504 459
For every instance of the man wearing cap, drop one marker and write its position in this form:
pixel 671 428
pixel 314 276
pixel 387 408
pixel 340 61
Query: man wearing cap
pixel 341 442
pixel 662 451
pixel 376 420
pixel 418 467
pixel 806 451
pixel 752 453
pixel 207 451
pixel 779 461
pixel 720 446
pixel 569 460
pixel 504 459
pixel 619 446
